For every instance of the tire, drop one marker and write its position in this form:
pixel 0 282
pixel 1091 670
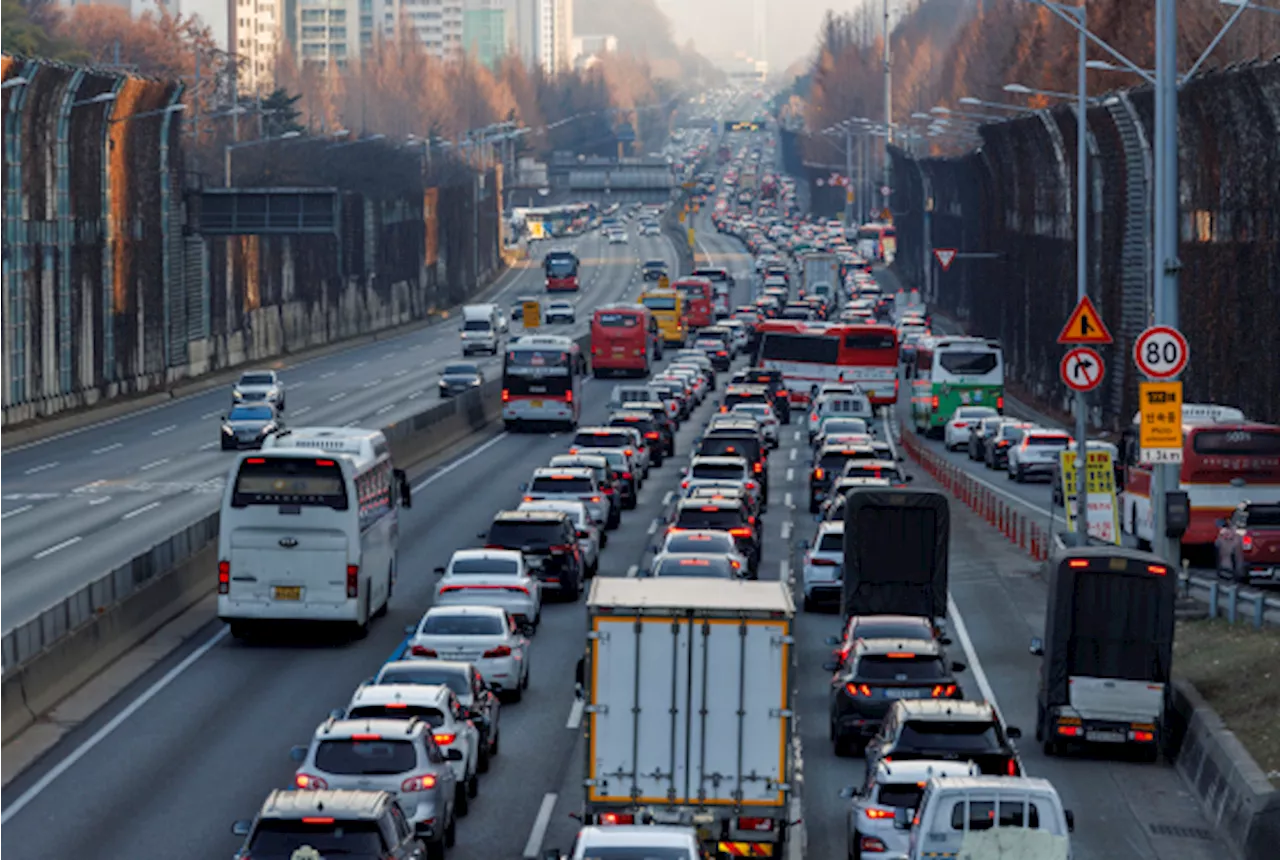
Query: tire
pixel 598 373
pixel 391 584
pixel 524 683
pixel 1019 477
pixel 493 746
pixel 436 849
pixel 482 760
pixel 1051 748
pixel 362 628
pixel 473 786
pixel 241 631
pixel 451 832
pixel 843 745
pixel 814 506
pixel 514 696
pixel 808 604
pixel 461 803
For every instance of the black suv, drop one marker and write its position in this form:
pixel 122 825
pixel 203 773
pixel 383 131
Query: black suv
pixel 649 428
pixel 722 515
pixel 879 672
pixel 736 394
pixel 666 424
pixel 773 382
pixel 549 542
pixel 358 825
pixel 828 466
pixel 948 730
pixel 730 441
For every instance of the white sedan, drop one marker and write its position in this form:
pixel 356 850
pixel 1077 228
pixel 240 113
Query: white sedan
pixel 824 566
pixel 763 414
pixel 560 311
pixel 618 237
pixel 485 636
pixel 956 434
pixel 491 577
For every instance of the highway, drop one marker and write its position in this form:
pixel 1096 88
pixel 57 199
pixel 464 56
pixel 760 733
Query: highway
pixel 79 504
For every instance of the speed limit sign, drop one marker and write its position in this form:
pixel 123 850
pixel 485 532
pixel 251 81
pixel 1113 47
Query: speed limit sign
pixel 1161 352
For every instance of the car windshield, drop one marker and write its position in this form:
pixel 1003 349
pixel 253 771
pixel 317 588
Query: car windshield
pixel 460 370
pixel 256 379
pixel 495 566
pixel 426 677
pixel 366 757
pixel 442 624
pixel 718 568
pixel 250 413
pixel 521 533
pixel 709 517
pixel 882 667
pixel 476 325
pixel 397 711
pixel 961 736
pixel 353 840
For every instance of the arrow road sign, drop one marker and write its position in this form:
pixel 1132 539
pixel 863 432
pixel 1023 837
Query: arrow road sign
pixel 945 257
pixel 1161 352
pixel 1085 326
pixel 1082 369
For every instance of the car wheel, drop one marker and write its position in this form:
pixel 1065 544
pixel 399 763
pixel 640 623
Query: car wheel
pixel 461 804
pixel 843 745
pixel 493 746
pixel 808 603
pixel 451 832
pixel 435 849
pixel 473 786
pixel 1019 476
pixel 1051 747
pixel 524 682
pixel 482 760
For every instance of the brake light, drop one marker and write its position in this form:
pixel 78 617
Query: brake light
pixel 628 452
pixel 506 395
pixel 419 783
pixel 750 485
pixel 740 532
pixel 1078 563
pixel 1012 768
pixel 568 396
pixel 757 824
pixel 307 782
pixel 224 577
pixel 324 462
pixel 612 818
pixel 366 737
pixel 823 562
pixel 562 547
pixel 878 814
pixel 500 651
pixel 626 476
pixel 257 461
pixel 443 740
pixel 423 651
pixel 935 401
pixel 1246 544
pixel 944 691
pixel 758 468
pixel 1000 403
pixel 857 689
pixel 652 434
pixel 317 820
pixel 353 580
pixel 818 473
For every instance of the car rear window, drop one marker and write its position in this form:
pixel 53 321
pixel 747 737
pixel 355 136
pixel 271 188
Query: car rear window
pixel 1048 441
pixel 603 440
pixel 709 518
pixel 831 542
pixel 463 625
pixel 900 795
pixel 397 711
pixel 879 629
pixel 366 757
pixel 484 565
pixel 726 446
pixel 1259 516
pixel 881 667
pixel 961 736
pixel 426 677
pixel 644 425
pixel 734 399
pixel 679 543
pixel 716 470
pixel 521 533
pixel 558 484
pixel 275 839
pixel 706 567
pixel 984 816
pixel 833 461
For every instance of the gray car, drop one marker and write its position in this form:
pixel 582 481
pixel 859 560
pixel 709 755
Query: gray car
pixel 256 385
pixel 459 378
pixel 248 424
pixel 467 684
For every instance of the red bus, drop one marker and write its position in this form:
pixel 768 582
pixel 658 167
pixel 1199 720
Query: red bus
pixel 624 339
pixel 809 353
pixel 562 271
pixel 1226 459
pixel 698 300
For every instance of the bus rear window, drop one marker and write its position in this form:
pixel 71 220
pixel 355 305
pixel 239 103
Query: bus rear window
pixel 289 481
pixel 659 303
pixel 615 320
pixel 1239 443
pixel 799 347
pixel 870 340
pixel 968 363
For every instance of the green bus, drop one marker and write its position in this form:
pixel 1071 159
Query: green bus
pixel 952 372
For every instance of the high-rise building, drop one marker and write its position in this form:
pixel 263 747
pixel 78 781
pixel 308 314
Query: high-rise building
pixel 332 31
pixel 436 23
pixel 543 33
pixel 487 30
pixel 254 37
pixel 588 48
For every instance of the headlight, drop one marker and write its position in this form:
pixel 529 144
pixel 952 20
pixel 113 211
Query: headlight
pixel 237 395
pixel 227 430
pixel 444 384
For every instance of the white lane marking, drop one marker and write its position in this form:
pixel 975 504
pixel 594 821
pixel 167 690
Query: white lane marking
pixel 16 511
pixel 303 411
pixel 401 372
pixel 533 847
pixel 373 383
pixel 786 500
pixel 152 465
pixel 786 529
pixel 58 546
pixel 794 453
pixel 385 409
pixel 101 500
pixel 207 446
pixel 164 430
pixel 444 470
pixel 415 395
pixel 352 424
pixel 575 715
pixel 296 385
pixel 42 467
pixel 205 417
pixel 335 398
pixel 653 527
pixel 21 801
pixel 113 446
pixel 140 511
pixel 666 500
pixel 390 356
pixel 797 435
pixel 633 571
pixel 358 365
pixel 329 374
pixel 975 665
pixel 791 474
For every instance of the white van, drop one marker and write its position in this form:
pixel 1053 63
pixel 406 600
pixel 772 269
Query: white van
pixel 979 816
pixel 309 529
pixel 482 329
pixel 632 393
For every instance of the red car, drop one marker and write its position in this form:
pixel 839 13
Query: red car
pixel 1248 544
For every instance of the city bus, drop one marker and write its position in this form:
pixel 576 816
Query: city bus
pixel 625 340
pixel 698 299
pixel 878 242
pixel 960 371
pixel 808 354
pixel 561 268
pixel 541 383
pixel 667 307
pixel 309 530
pixel 1226 459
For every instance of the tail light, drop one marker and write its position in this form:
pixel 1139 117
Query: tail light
pixel 818 473
pixel 1246 544
pixel 443 740
pixel 568 396
pixel 684 485
pixel 1144 737
pixel 629 452
pixel 1011 767
pixel 944 691
pixel 750 485
pixel 561 548
pixel 307 782
pixel 423 651
pixel 857 689
pixel 1000 403
pixel 652 434
pixel 878 814
pixel 353 580
pixel 224 577
pixel 935 401
pixel 1161 570
pixel 823 562
pixel 419 783
pixel 626 476
pixel 741 533
pixel 872 845
pixel 756 824
pixel 500 651
pixel 758 468
pixel 506 395
pixel 1071 731
pixel 614 818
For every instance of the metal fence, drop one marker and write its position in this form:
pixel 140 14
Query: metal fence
pixel 1013 198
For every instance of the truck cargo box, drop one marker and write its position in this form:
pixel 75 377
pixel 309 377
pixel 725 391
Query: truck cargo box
pixel 895 552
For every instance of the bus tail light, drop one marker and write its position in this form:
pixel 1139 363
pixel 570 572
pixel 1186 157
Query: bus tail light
pixel 935 401
pixel 353 580
pixel 506 395
pixel 568 396
pixel 1000 403
pixel 224 577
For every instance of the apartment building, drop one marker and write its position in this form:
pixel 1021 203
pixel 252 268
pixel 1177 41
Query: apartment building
pixel 253 35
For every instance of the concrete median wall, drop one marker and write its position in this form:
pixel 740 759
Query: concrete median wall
pixel 53 654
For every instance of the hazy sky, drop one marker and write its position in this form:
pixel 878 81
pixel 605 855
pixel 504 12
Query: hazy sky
pixel 721 27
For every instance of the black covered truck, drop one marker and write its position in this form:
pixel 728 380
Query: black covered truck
pixel 1107 650
pixel 895 552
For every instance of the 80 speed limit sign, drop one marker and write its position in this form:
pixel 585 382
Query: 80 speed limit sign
pixel 1161 352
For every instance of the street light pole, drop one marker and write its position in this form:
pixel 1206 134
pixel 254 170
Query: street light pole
pixel 888 104
pixel 848 172
pixel 1082 272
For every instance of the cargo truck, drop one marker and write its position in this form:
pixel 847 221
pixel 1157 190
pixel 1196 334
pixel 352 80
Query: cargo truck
pixel 820 276
pixel 1107 650
pixel 688 715
pixel 895 553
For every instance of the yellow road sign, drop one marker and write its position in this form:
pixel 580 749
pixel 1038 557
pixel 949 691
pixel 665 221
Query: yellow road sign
pixel 690 237
pixel 1100 481
pixel 532 314
pixel 1085 326
pixel 1160 421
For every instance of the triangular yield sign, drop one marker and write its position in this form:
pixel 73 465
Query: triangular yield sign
pixel 945 257
pixel 1085 325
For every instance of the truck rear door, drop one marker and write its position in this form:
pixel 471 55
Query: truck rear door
pixel 688 711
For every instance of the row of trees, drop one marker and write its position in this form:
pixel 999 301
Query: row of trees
pixel 944 50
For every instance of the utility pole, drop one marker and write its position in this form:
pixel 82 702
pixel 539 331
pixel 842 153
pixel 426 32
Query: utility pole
pixel 1082 273
pixel 888 102
pixel 848 172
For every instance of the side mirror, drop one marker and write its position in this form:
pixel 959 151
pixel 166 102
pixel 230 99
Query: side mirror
pixel 453 755
pixel 524 487
pixel 337 714
pixel 439 571
pixel 831 666
pixel 406 491
pixel 908 478
pixel 241 827
pixel 944 640
pixel 957 666
pixel 298 754
pixel 1037 647
pixel 1013 732
pixel 223 419
pixel 1071 820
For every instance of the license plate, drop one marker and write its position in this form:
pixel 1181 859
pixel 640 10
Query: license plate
pixel 619 349
pixel 1104 737
pixel 287 592
pixel 896 693
pixel 536 404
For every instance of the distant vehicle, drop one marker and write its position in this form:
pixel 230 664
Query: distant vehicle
pixel 354 823
pixel 667 306
pixel 561 268
pixel 961 371
pixel 1248 544
pixel 618 237
pixel 541 383
pixel 481 329
pixel 972 817
pixel 258 385
pixel 560 311
pixel 810 354
pixel 653 270
pixel 882 528
pixel 248 424
pixel 459 378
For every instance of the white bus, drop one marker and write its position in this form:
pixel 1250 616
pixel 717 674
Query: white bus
pixel 309 530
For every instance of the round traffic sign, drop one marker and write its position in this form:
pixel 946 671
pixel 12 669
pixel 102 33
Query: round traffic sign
pixel 1161 352
pixel 1081 369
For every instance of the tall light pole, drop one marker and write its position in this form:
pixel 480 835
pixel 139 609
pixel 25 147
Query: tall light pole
pixel 888 105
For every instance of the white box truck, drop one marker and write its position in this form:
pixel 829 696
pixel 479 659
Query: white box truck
pixel 688 722
pixel 820 276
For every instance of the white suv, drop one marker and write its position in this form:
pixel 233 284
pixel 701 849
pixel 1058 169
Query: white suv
pixel 955 434
pixel 1037 454
pixel 823 578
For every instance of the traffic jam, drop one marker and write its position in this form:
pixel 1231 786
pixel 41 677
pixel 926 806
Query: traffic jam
pixel 719 382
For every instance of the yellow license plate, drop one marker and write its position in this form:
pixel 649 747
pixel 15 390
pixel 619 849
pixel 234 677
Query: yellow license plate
pixel 288 592
pixel 536 404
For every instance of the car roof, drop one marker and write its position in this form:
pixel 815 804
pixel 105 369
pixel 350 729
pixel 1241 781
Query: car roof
pixel 416 694
pixel 462 667
pixel 572 471
pixel 920 770
pixel 880 647
pixel 389 728
pixel 494 554
pixel 953 710
pixel 521 517
pixel 341 803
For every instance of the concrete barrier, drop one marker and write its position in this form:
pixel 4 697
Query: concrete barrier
pixel 50 656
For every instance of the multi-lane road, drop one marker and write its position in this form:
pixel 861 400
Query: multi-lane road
pixel 201 738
